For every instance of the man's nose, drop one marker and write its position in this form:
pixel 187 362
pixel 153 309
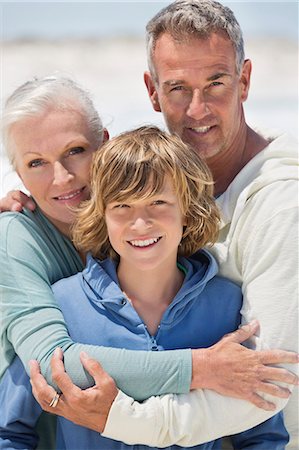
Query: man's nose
pixel 197 108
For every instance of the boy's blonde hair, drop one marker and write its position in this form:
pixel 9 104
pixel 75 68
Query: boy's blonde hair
pixel 133 166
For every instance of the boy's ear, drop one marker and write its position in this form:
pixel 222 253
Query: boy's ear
pixel 152 92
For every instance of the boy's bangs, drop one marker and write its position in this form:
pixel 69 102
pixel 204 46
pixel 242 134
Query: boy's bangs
pixel 137 183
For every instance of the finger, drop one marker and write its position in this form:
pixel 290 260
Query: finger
pixel 278 374
pixel 243 333
pixel 30 205
pixel 21 199
pixel 37 381
pixel 40 388
pixel 278 357
pixel 273 389
pixel 260 402
pixel 16 207
pixel 60 377
pixel 34 368
pixel 94 368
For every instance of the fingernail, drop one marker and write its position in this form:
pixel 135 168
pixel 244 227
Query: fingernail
pixel 57 352
pixel 253 323
pixel 84 355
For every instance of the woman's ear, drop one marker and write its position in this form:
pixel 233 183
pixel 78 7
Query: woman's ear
pixel 105 135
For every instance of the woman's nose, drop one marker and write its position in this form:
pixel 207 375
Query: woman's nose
pixel 61 174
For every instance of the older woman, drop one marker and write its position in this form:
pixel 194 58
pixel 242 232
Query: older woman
pixel 51 130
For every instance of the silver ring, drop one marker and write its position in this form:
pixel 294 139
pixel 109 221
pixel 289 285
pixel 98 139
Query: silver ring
pixel 55 400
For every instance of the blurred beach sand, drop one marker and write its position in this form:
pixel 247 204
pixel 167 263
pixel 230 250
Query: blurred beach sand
pixel 112 70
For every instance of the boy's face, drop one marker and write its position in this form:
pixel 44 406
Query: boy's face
pixel 146 233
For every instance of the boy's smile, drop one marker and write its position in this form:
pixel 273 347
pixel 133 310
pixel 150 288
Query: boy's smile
pixel 146 233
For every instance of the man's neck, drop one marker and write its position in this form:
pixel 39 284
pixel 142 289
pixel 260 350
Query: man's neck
pixel 226 166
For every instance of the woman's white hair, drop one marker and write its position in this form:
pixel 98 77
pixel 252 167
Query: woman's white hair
pixel 39 95
pixel 186 19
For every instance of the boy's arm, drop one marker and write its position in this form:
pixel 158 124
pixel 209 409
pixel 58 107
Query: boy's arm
pixel 19 410
pixel 270 434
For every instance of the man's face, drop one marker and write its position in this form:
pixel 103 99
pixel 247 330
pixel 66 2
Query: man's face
pixel 199 92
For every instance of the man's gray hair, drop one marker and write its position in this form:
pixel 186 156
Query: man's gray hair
pixel 194 18
pixel 37 96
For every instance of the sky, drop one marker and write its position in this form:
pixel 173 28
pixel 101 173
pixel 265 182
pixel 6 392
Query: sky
pixel 75 19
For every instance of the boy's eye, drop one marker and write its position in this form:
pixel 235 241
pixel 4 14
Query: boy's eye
pixel 159 202
pixel 121 206
pixel 76 150
pixel 35 163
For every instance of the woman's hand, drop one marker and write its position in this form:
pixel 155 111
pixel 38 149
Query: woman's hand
pixel 88 408
pixel 233 370
pixel 16 201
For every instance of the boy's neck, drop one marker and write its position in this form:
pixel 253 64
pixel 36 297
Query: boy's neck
pixel 150 292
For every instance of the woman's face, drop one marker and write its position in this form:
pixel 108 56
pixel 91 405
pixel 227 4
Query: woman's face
pixel 52 157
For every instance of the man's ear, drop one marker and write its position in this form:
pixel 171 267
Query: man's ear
pixel 105 135
pixel 151 89
pixel 245 79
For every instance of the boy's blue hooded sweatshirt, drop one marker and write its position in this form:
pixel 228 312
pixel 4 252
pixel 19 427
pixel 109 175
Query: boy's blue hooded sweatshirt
pixel 205 308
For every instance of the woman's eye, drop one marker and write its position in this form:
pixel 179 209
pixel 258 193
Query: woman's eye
pixel 76 150
pixel 35 163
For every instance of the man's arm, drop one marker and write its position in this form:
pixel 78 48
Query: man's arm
pixel 16 201
pixel 267 247
pixel 160 421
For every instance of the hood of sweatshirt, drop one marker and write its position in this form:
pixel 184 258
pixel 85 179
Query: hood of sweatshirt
pixel 101 285
pixel 278 161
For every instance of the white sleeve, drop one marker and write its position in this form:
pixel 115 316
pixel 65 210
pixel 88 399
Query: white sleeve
pixel 186 419
pixel 268 245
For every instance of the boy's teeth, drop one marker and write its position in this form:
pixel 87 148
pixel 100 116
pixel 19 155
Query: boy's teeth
pixel 144 243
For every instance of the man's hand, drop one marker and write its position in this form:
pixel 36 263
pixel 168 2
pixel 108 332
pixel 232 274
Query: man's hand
pixel 16 201
pixel 88 408
pixel 236 371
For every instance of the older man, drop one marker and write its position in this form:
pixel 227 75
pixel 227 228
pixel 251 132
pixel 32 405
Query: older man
pixel 199 80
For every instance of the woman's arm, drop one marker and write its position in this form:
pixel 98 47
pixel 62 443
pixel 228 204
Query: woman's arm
pixel 33 326
pixel 186 420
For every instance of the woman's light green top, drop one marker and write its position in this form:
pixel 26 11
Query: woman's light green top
pixel 34 254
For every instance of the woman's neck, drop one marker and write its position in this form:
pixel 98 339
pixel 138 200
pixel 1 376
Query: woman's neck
pixel 150 291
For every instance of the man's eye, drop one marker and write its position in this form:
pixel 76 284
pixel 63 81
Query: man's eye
pixel 35 163
pixel 76 150
pixel 159 202
pixel 176 88
pixel 216 83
